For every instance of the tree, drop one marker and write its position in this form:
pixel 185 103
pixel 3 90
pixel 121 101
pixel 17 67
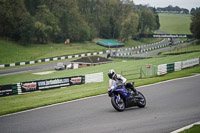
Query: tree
pixel 129 27
pixel 46 25
pixel 195 25
pixel 71 23
pixel 147 22
pixel 26 32
pixel 12 15
pixel 156 19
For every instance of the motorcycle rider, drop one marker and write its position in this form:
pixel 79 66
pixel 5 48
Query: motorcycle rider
pixel 116 79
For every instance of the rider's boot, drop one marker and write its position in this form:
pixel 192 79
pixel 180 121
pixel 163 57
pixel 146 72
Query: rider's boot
pixel 134 90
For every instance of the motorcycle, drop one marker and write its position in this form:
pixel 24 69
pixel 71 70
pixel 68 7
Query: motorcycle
pixel 122 97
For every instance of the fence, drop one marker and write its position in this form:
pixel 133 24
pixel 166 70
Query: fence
pixel 131 74
pixel 148 70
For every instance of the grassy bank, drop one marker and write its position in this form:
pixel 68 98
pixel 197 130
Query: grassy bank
pixel 175 23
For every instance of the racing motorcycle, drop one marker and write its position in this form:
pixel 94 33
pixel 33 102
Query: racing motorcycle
pixel 122 97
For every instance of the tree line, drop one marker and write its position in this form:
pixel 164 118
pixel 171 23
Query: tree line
pixel 194 10
pixel 195 24
pixel 171 9
pixel 43 21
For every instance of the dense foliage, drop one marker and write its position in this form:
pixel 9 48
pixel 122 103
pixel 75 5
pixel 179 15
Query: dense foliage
pixel 43 21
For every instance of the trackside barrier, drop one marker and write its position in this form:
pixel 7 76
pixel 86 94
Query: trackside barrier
pixel 177 66
pixel 96 77
pixel 30 86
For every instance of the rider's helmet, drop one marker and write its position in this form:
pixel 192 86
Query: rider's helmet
pixel 111 74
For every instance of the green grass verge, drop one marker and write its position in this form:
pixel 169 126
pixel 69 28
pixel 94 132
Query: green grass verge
pixel 175 23
pixel 193 129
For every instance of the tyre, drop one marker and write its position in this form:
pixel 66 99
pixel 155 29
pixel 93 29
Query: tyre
pixel 119 106
pixel 141 100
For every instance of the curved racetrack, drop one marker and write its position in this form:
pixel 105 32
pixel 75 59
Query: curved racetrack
pixel 170 105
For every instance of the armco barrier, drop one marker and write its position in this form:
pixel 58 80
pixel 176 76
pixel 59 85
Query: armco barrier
pixel 177 66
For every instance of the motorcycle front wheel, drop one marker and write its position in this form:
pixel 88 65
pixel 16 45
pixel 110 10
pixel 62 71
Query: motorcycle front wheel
pixel 119 106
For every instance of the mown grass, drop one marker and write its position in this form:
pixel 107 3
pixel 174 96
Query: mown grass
pixel 175 23
pixel 12 52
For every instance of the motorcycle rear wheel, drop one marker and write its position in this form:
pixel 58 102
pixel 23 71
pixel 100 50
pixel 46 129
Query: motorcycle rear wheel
pixel 119 106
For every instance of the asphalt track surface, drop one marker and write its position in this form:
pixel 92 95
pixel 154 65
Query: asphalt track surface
pixel 170 105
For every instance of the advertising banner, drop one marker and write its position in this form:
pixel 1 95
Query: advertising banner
pixel 60 82
pixel 165 36
pixel 28 86
pixel 53 83
pixel 77 80
pixel 6 90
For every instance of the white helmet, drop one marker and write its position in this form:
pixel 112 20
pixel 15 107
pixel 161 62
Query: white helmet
pixel 111 73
